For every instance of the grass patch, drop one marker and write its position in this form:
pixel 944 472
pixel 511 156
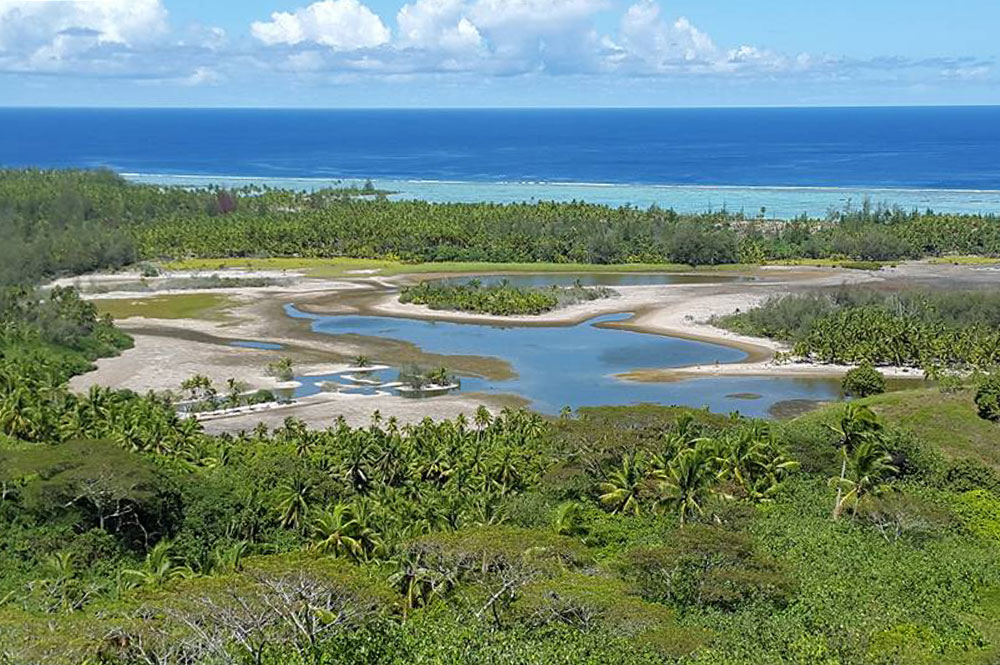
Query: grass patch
pixel 965 260
pixel 184 306
pixel 834 263
pixel 947 421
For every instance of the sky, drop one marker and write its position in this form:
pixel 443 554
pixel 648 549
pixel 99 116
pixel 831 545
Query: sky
pixel 498 53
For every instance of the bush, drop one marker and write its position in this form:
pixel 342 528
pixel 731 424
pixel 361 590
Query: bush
pixel 979 513
pixel 988 398
pixel 705 566
pixel 147 269
pixel 700 244
pixel 262 396
pixel 281 369
pixel 595 602
pixel 863 381
pixel 965 475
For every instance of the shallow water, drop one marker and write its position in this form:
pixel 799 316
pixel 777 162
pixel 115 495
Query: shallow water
pixel 777 202
pixel 536 280
pixel 575 366
pixel 249 344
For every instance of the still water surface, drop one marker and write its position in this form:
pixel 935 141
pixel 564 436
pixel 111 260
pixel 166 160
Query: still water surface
pixel 575 366
pixel 541 280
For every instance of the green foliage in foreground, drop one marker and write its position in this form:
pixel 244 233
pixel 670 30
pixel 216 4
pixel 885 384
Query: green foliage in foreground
pixel 626 535
pixel 957 330
pixel 499 299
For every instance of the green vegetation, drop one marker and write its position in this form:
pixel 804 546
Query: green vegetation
pixel 988 397
pixel 863 533
pixel 863 381
pixel 570 232
pixel 419 379
pixel 933 330
pixel 497 299
pixel 180 306
pixel 178 284
pixel 500 299
pixel 200 395
pixel 624 535
pixel 281 369
pixel 58 222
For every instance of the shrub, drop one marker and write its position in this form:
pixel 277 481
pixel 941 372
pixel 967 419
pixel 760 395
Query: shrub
pixel 979 513
pixel 700 244
pixel 596 602
pixel 968 474
pixel 863 381
pixel 705 566
pixel 262 396
pixel 281 369
pixel 988 397
pixel 147 269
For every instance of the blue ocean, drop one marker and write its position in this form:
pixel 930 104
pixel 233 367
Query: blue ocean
pixel 786 161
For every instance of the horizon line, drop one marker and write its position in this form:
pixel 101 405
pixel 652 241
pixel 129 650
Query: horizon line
pixel 493 108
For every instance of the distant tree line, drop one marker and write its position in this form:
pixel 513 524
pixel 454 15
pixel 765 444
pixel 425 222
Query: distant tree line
pixel 56 222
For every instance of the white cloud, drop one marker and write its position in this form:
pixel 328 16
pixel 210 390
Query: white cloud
pixel 202 76
pixel 437 24
pixel 533 15
pixel 649 43
pixel 343 25
pixel 55 30
pixel 105 39
pixel 459 41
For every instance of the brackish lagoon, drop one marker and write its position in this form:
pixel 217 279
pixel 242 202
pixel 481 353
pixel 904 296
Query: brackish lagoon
pixel 542 280
pixel 576 365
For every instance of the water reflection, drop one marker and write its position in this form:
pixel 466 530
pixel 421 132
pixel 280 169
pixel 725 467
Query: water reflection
pixel 575 366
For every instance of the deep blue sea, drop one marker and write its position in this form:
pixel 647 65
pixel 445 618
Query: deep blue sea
pixel 786 160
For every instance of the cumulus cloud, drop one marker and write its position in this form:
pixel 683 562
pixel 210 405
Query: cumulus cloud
pixel 437 24
pixel 104 39
pixel 337 40
pixel 49 36
pixel 340 24
pixel 647 42
pixel 539 37
pixel 28 24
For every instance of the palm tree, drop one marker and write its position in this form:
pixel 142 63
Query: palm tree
pixel 870 465
pixel 568 519
pixel 689 482
pixel 418 583
pixel 229 559
pixel 483 419
pixel 752 460
pixel 158 568
pixel 336 532
pixel 621 489
pixel 858 424
pixel 294 502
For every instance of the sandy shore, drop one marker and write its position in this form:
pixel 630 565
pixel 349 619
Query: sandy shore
pixel 167 351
